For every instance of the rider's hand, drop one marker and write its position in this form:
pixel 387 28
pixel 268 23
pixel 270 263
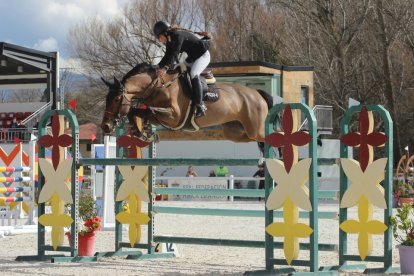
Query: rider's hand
pixel 161 72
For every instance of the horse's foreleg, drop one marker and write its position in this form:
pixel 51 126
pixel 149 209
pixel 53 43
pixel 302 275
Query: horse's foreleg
pixel 136 124
pixel 143 130
pixel 140 121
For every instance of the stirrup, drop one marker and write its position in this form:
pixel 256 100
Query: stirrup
pixel 201 110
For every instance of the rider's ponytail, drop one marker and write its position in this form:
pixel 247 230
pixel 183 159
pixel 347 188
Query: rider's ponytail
pixel 205 35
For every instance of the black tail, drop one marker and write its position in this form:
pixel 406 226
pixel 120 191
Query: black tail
pixel 269 100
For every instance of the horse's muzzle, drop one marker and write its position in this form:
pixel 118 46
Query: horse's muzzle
pixel 107 128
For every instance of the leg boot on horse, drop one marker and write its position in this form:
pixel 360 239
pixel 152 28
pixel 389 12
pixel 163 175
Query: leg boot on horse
pixel 198 91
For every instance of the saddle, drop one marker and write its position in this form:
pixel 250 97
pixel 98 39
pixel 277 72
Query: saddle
pixel 207 79
pixel 210 94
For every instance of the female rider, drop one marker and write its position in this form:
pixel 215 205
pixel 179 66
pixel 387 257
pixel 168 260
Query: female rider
pixel 196 46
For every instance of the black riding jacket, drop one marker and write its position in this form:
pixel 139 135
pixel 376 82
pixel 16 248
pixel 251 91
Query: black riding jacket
pixel 183 41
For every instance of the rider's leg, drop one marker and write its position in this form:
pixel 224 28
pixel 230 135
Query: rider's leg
pixel 198 66
pixel 198 91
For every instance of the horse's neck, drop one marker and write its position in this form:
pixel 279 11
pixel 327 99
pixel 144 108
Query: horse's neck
pixel 172 98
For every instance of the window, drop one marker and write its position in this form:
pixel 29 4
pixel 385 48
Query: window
pixel 304 98
pixel 304 95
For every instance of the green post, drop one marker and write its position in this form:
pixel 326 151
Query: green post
pixel 41 182
pixel 42 247
pixel 386 259
pixel 118 182
pixel 313 262
pixel 151 184
pixel 268 154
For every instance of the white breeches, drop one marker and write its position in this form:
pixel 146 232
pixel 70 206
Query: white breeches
pixel 200 64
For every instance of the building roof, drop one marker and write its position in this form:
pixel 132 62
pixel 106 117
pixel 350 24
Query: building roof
pixel 260 64
pixel 25 68
pixel 87 131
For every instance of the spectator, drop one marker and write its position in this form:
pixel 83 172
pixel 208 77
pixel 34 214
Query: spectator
pixel 14 124
pixel 259 174
pixel 222 171
pixel 212 173
pixel 36 125
pixel 191 172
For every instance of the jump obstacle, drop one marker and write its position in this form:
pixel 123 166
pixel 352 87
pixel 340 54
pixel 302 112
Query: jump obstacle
pixel 9 182
pixel 273 139
pixel 14 169
pixel 6 213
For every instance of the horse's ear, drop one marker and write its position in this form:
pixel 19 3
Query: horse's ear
pixel 116 81
pixel 106 82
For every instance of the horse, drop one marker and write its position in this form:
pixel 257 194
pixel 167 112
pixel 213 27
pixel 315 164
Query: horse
pixel 240 110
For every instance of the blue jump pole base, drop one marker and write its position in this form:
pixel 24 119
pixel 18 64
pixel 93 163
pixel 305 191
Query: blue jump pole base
pixel 381 270
pixel 57 258
pixel 288 271
pixel 77 259
pixel 118 253
pixel 151 256
pixel 133 254
pixel 32 258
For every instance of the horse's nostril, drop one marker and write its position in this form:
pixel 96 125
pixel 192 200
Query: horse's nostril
pixel 106 128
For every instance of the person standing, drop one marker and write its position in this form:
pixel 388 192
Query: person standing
pixel 191 172
pixel 222 171
pixel 259 174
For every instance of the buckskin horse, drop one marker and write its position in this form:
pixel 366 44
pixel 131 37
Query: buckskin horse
pixel 240 110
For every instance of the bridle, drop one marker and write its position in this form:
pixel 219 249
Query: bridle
pixel 116 116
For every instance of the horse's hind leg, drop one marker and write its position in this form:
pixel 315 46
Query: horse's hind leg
pixel 255 129
pixel 235 132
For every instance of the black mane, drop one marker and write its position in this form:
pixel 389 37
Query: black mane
pixel 138 69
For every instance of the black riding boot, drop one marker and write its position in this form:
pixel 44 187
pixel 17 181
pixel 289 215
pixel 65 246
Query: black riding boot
pixel 198 92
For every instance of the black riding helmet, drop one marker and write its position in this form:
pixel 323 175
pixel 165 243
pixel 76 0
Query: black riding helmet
pixel 161 27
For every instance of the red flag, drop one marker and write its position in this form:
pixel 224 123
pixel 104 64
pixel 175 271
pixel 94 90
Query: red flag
pixel 93 137
pixel 72 104
pixel 17 140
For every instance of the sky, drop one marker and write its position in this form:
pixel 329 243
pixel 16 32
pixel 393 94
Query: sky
pixel 44 24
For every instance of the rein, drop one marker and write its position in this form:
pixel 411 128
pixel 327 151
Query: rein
pixel 152 86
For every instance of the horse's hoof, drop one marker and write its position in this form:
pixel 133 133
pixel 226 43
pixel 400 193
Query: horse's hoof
pixel 153 138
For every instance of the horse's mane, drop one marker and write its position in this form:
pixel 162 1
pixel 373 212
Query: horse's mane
pixel 138 69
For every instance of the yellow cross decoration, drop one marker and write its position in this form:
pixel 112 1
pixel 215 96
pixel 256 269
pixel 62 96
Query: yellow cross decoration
pixel 291 230
pixel 133 218
pixel 56 221
pixel 365 227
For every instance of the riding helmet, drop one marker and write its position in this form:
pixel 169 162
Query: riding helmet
pixel 161 27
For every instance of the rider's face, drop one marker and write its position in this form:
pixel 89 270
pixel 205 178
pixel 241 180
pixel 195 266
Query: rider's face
pixel 162 38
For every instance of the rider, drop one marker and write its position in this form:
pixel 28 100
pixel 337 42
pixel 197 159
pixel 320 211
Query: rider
pixel 196 46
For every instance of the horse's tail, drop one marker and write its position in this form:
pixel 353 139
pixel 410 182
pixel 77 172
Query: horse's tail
pixel 269 101
pixel 267 97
